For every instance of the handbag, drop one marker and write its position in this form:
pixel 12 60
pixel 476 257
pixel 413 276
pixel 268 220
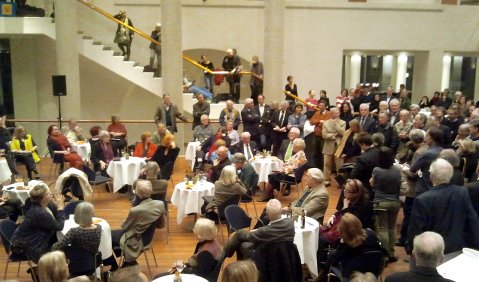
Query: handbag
pixel 122 37
pixel 331 234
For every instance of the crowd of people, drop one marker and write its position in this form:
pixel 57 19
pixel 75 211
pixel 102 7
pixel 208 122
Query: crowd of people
pixel 375 155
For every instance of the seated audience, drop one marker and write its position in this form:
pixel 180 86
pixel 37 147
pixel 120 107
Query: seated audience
pixel 232 133
pixel 386 184
pixel 204 130
pixel 102 153
pixel 25 150
pixel 247 147
pixel 72 132
pixel 53 267
pixel 246 173
pixel 159 186
pixel 230 114
pixel 432 211
pixel 221 161
pixel 118 134
pixel 167 152
pixel 40 223
pixel 94 132
pixel 10 207
pixel 297 160
pixel 240 271
pixel 160 133
pixel 59 144
pixel 428 253
pixel 286 149
pixel 315 198
pixel 146 148
pixel 209 145
pixel 5 138
pixel 462 134
pixel 227 186
pixel 140 218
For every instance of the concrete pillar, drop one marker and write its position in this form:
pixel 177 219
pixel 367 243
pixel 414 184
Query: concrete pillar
pixel 446 72
pixel 476 86
pixel 386 76
pixel 273 49
pixel 401 70
pixel 67 56
pixel 347 71
pixel 171 61
pixel 355 71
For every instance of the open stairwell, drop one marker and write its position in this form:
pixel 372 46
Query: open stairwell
pixel 87 47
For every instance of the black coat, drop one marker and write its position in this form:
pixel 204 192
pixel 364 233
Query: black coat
pixel 363 170
pixel 160 158
pixel 264 124
pixel 238 148
pixel 278 261
pixel 418 274
pixel 391 138
pixel 97 155
pixel 369 125
pixel 473 189
pixel 251 120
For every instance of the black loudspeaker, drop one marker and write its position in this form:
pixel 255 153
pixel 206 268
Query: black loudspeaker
pixel 59 85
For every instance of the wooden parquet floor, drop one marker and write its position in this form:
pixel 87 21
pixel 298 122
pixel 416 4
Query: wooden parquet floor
pixel 114 208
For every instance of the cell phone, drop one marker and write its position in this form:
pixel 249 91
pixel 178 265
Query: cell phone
pixel 10 188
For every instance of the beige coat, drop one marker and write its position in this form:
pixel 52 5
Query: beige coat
pixel 224 192
pixel 82 179
pixel 315 203
pixel 332 133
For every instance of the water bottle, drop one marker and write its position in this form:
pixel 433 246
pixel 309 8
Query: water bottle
pixel 303 219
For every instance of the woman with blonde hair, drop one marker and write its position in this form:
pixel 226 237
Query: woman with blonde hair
pixel 240 271
pixel 167 152
pixel 469 157
pixel 53 267
pixel 227 186
pixel 146 148
pixel 25 150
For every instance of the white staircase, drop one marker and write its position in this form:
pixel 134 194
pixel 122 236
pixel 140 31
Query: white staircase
pixel 87 47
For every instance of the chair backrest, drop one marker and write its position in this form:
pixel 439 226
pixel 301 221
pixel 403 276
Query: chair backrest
pixel 237 217
pixel 233 200
pixel 56 158
pixel 213 275
pixel 369 261
pixel 81 261
pixel 148 235
pixel 70 208
pixel 278 261
pixel 166 170
pixel 7 227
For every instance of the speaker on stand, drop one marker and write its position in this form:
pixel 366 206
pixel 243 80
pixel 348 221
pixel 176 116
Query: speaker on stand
pixel 59 89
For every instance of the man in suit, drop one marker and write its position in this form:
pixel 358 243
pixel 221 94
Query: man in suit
pixel 314 200
pixel 139 219
pixel 279 121
pixel 333 130
pixel 219 163
pixel 246 173
pixel 251 119
pixel 366 162
pixel 230 113
pixel 286 149
pixel 394 111
pixel 319 117
pixel 428 253
pixel 389 95
pixel 167 113
pixel 264 127
pixel 245 146
pixel 368 124
pixel 200 108
pixel 445 209
pixel 391 138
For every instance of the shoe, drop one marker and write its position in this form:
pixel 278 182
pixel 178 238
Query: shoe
pixel 392 259
pixel 400 243
pixel 265 199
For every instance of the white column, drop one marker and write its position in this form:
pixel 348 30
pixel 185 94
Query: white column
pixel 171 60
pixel 67 56
pixel 355 71
pixel 476 87
pixel 401 70
pixel 273 49
pixel 347 71
pixel 387 71
pixel 446 71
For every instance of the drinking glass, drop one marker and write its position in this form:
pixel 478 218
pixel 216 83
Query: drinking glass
pixel 180 265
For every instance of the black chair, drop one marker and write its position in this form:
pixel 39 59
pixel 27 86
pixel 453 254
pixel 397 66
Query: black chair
pixel 220 211
pixel 57 160
pixel 81 261
pixel 278 261
pixel 369 261
pixel 70 208
pixel 166 171
pixel 294 178
pixel 7 227
pixel 237 218
pixel 213 275
pixel 95 179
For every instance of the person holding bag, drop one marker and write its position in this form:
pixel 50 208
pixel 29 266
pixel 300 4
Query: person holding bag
pixel 124 36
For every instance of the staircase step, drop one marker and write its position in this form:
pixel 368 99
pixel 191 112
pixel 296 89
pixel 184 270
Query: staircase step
pixel 80 32
pixel 107 48
pixel 87 37
pixel 136 64
pixel 117 53
pixel 96 42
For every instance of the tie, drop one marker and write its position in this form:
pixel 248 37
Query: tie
pixel 289 151
pixel 362 121
pixel 281 116
pixel 299 203
pixel 249 154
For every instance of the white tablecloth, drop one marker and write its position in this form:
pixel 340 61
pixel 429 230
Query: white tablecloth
pixel 125 171
pixel 306 240
pixel 190 154
pixel 5 173
pixel 264 167
pixel 23 195
pixel 105 240
pixel 184 278
pixel 83 150
pixel 190 200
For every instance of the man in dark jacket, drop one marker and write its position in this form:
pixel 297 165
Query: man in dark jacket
pixel 232 64
pixel 391 138
pixel 264 128
pixel 366 162
pixel 251 119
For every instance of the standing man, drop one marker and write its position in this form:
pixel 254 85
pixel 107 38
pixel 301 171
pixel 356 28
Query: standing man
pixel 256 79
pixel 319 117
pixel 155 50
pixel 332 133
pixel 250 119
pixel 366 162
pixel 232 64
pixel 279 121
pixel 391 139
pixel 394 111
pixel 167 113
pixel 264 128
pixel 368 124
pixel 230 113
pixel 124 36
pixel 200 108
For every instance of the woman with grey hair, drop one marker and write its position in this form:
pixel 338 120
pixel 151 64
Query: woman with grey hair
pixel 103 152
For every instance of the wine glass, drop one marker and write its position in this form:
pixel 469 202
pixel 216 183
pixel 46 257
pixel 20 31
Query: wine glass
pixel 179 265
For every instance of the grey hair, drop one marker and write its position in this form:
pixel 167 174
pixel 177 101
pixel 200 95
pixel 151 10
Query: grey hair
pixel 152 169
pixel 204 117
pixel 299 143
pixel 143 189
pixel 334 110
pixel 84 214
pixel 103 133
pixel 245 134
pixel 428 249
pixel 441 171
pixel 273 207
pixel 414 106
pixel 364 106
pixel 417 135
pixel 295 130
pixel 450 156
pixel 248 100
pixel 383 103
pixel 395 101
pixel 284 103
pixel 239 158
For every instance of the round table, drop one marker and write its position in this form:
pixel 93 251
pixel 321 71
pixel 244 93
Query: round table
pixel 13 193
pixel 105 239
pixel 184 278
pixel 125 172
pixel 265 166
pixel 190 200
pixel 306 240
pixel 83 148
pixel 190 154
pixel 5 173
